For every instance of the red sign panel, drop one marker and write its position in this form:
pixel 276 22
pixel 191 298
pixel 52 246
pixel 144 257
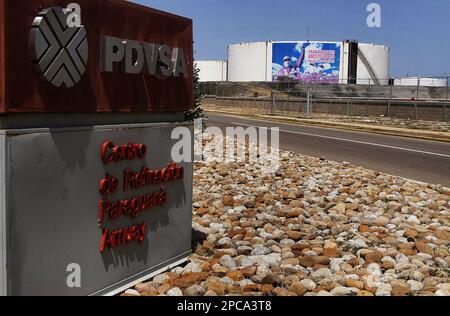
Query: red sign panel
pixel 99 77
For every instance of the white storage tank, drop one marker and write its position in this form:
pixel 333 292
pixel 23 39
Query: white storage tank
pixel 249 62
pixel 212 70
pixel 423 82
pixel 309 61
pixel 373 64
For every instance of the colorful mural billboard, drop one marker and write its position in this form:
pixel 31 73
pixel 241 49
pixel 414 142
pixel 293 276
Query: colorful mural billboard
pixel 310 62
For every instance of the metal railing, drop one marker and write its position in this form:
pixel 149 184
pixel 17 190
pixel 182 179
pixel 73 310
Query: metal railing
pixel 415 84
pixel 312 100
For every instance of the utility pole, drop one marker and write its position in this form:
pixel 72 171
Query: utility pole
pixel 389 101
pixel 417 99
pixel 446 99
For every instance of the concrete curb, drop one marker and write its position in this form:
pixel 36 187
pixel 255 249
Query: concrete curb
pixel 410 133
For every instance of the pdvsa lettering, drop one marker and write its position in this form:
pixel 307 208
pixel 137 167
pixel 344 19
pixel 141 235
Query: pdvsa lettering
pixel 136 57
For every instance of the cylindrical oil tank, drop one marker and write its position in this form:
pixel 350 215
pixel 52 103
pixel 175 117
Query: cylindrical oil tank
pixel 248 62
pixel 212 70
pixel 373 64
pixel 423 82
pixel 308 61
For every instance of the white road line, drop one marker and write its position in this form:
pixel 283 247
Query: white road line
pixel 355 141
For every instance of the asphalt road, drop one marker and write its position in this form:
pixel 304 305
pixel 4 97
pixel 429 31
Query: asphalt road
pixel 421 160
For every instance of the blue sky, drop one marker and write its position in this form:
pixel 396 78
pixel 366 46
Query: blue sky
pixel 417 31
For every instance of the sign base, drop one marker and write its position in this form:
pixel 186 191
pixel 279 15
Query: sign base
pixel 55 212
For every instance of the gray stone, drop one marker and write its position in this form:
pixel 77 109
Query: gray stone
pixel 174 292
pixel 228 262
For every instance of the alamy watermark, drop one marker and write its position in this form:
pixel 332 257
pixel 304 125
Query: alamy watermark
pixel 250 145
pixel 374 18
pixel 74 275
pixel 74 17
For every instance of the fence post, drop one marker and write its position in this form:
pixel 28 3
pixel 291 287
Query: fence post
pixel 352 107
pixel 300 103
pixel 446 100
pixel 288 100
pixel 389 102
pixel 308 103
pixel 446 89
pixel 444 114
pixel 272 107
pixel 367 104
pixel 416 104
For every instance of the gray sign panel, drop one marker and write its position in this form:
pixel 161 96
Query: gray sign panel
pixel 52 209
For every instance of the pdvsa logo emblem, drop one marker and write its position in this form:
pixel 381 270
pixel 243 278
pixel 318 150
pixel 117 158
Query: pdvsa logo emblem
pixel 59 47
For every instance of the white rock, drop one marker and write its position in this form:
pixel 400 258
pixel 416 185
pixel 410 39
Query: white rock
pixel 160 279
pixel 287 242
pixel 228 262
pixel 441 263
pixel 275 249
pixel 335 265
pixel 415 285
pixel 308 284
pixel 132 292
pixel 260 251
pixel 357 243
pixel 374 269
pixel 178 270
pixel 273 259
pixel 288 269
pixel 424 257
pixel 324 293
pixel 246 282
pixel 192 267
pixel 413 220
pixel 372 280
pixel 321 274
pixel 226 280
pixel 263 270
pixel 266 235
pixel 417 275
pixel 341 291
pixel 194 290
pixel 444 286
pixel 384 289
pixel 442 293
pixel 224 241
pixel 216 226
pixel 174 292
pixel 401 259
pixel 240 209
pixel 352 277
pixel 389 259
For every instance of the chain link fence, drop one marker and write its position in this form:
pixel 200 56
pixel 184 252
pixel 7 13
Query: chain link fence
pixel 318 100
